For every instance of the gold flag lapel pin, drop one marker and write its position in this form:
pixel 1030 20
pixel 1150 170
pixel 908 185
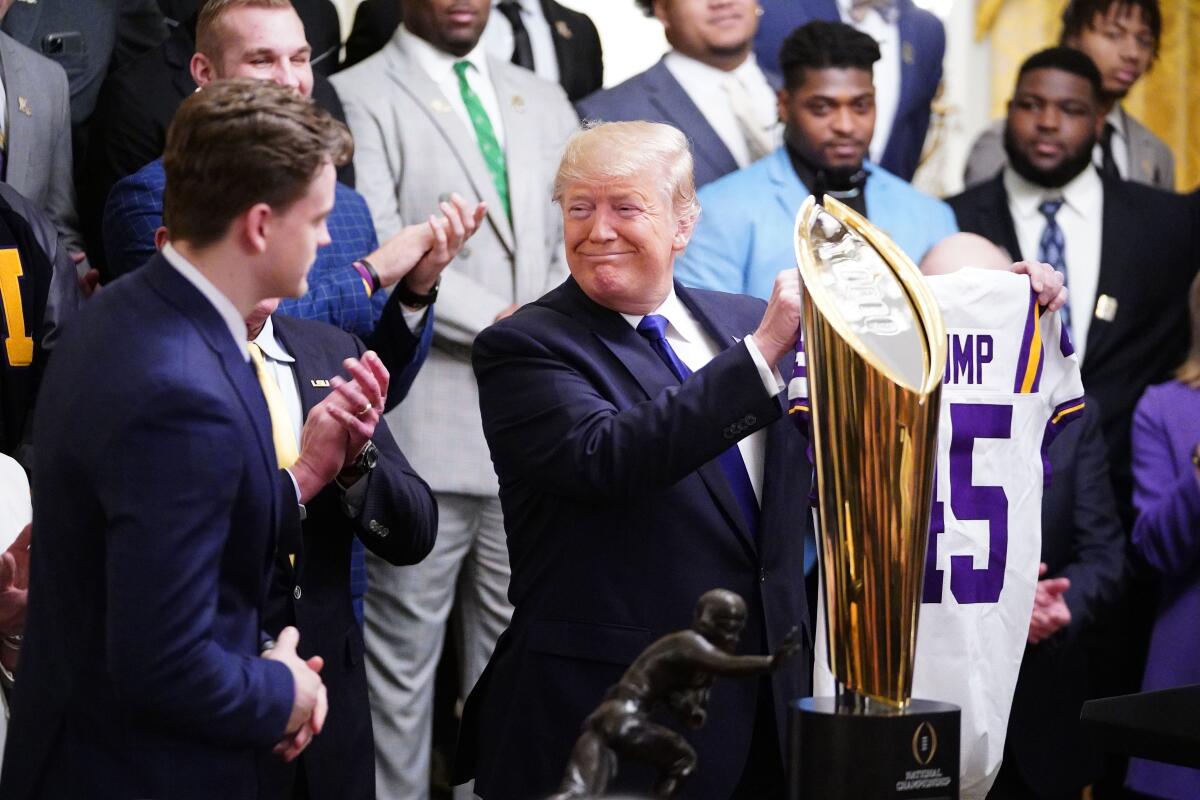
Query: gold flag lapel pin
pixel 1106 308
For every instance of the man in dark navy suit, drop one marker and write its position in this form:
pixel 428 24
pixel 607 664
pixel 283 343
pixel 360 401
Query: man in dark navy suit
pixel 146 670
pixel 913 43
pixel 637 431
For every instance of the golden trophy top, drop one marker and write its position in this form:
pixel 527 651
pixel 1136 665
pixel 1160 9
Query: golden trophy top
pixel 871 293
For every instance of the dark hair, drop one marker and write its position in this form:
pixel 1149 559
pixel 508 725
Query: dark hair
pixel 825 45
pixel 239 142
pixel 1065 59
pixel 1080 14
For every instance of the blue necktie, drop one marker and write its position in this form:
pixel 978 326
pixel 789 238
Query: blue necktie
pixel 654 328
pixel 1052 250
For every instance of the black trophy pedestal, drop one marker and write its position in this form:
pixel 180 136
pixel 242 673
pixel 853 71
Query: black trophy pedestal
pixel 837 754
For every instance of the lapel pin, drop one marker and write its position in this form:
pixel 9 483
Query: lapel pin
pixel 1106 308
pixel 441 106
pixel 1146 168
pixel 518 103
pixel 23 106
pixel 906 52
pixel 320 383
pixel 563 29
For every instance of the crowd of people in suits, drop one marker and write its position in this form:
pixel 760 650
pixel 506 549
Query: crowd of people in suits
pixel 458 416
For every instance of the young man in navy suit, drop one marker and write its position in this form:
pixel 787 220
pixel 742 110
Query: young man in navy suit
pixel 146 671
pixel 637 430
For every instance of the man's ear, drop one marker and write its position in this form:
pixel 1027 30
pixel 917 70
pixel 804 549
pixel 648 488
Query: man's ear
pixel 202 69
pixel 683 232
pixel 255 227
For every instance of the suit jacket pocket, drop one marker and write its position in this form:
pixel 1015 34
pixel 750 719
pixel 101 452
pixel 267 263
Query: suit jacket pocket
pixel 590 641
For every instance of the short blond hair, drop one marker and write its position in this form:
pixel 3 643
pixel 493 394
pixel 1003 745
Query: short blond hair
pixel 619 150
pixel 210 33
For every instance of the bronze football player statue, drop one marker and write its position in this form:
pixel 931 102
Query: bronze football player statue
pixel 676 672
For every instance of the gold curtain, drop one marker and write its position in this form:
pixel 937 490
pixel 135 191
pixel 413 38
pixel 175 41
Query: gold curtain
pixel 1167 99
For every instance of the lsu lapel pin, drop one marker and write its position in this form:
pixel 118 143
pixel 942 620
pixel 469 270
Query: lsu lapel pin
pixel 563 29
pixel 1106 308
pixel 23 106
pixel 320 383
pixel 441 106
pixel 518 103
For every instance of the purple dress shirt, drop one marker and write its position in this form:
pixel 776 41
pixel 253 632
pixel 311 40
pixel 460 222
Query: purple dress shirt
pixel 1166 427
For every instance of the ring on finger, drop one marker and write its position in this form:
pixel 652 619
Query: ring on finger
pixel 365 409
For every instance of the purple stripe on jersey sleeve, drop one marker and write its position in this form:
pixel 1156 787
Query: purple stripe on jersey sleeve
pixel 1064 340
pixel 1037 377
pixel 798 407
pixel 1062 416
pixel 1026 342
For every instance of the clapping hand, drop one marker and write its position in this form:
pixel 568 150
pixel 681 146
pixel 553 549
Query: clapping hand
pixel 1050 611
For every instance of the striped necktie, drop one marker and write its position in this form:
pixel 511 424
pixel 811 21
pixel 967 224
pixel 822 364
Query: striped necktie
pixel 489 146
pixel 1052 249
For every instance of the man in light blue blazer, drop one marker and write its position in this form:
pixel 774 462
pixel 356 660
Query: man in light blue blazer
pixel 827 105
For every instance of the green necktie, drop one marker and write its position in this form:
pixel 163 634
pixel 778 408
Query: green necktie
pixel 493 156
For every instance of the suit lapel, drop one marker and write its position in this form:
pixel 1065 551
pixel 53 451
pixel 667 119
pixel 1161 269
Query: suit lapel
pixel 562 44
pixel 1114 261
pixel 452 129
pixel 20 124
pixel 996 219
pixel 675 106
pixel 525 194
pixel 306 358
pixel 789 191
pixel 711 472
pixel 181 294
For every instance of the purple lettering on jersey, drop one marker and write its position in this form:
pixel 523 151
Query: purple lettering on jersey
pixel 932 592
pixel 965 356
pixel 968 422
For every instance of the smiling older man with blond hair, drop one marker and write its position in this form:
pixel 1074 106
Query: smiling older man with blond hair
pixel 637 430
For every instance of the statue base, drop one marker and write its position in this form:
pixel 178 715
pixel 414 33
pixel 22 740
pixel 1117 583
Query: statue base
pixel 838 752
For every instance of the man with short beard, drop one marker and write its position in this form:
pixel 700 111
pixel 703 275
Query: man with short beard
pixel 1122 38
pixel 1128 251
pixel 828 109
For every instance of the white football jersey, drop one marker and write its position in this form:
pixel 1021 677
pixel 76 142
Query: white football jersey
pixel 1011 383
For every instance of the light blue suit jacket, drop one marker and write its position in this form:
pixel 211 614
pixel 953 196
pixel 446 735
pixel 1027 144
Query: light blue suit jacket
pixel 744 236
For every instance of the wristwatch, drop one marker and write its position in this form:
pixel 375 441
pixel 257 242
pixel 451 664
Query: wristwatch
pixel 362 465
pixel 413 300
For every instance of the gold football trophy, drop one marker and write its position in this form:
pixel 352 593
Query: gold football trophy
pixel 875 352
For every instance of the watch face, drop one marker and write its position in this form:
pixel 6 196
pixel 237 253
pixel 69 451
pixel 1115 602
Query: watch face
pixel 369 457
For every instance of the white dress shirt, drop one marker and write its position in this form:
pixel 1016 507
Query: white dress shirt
pixel 884 28
pixel 439 66
pixel 1080 218
pixel 498 38
pixel 695 349
pixel 704 86
pixel 223 305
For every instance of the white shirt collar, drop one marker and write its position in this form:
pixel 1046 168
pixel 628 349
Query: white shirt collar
pixel 223 305
pixel 1116 118
pixel 1079 194
pixel 746 71
pixel 682 324
pixel 271 346
pixel 438 63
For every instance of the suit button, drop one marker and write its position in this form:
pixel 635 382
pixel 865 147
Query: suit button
pixel 464 253
pixel 750 419
pixel 762 576
pixel 296 593
pixel 729 433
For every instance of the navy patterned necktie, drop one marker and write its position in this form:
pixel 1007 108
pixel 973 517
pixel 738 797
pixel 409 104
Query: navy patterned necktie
pixel 654 328
pixel 1052 249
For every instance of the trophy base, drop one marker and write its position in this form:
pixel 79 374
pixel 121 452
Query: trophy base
pixel 835 753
